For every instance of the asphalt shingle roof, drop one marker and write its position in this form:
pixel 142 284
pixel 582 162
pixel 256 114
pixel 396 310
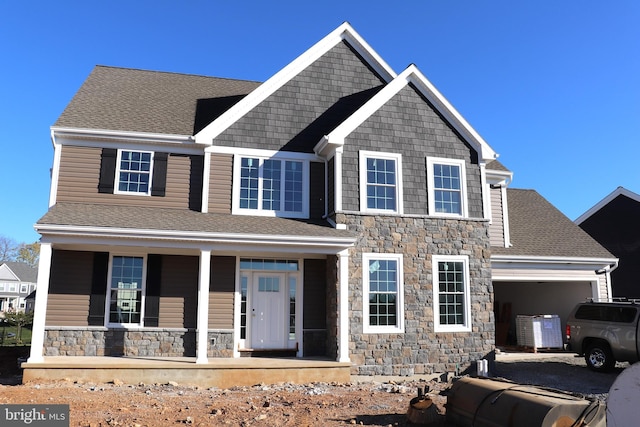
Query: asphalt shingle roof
pixel 163 219
pixel 133 100
pixel 537 228
pixel 24 272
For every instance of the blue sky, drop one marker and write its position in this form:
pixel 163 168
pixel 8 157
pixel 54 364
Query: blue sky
pixel 553 87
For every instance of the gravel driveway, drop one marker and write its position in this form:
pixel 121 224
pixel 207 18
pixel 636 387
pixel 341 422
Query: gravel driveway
pixel 560 371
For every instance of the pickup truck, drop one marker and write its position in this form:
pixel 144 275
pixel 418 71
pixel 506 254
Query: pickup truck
pixel 605 333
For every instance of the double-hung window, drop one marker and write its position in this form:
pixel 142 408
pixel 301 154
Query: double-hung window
pixel 447 187
pixel 380 182
pixel 133 174
pixel 271 186
pixel 383 286
pixel 451 294
pixel 126 290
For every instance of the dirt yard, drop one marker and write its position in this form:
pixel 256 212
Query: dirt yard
pixel 317 404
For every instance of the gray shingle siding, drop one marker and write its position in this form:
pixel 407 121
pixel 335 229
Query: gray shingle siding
pixel 297 115
pixel 408 125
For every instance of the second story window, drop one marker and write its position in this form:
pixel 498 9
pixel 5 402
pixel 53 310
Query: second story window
pixel 271 186
pixel 380 182
pixel 134 172
pixel 447 189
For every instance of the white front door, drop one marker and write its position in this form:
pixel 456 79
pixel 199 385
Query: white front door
pixel 268 312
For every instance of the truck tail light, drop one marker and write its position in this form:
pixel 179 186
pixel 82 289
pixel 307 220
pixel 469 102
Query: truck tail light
pixel 568 332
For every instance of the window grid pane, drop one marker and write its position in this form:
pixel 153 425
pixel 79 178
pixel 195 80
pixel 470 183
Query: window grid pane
pixel 451 292
pixel 447 188
pixel 381 184
pixel 293 187
pixel 292 308
pixel 126 289
pixel 243 307
pixel 383 285
pixel 135 168
pixel 249 169
pixel 271 182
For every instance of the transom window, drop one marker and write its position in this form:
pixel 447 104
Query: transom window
pixel 271 186
pixel 134 172
pixel 380 182
pixel 126 289
pixel 447 189
pixel 452 306
pixel 383 290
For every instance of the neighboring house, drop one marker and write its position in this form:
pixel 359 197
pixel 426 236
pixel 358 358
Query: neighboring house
pixel 17 281
pixel 541 262
pixel 613 222
pixel 338 209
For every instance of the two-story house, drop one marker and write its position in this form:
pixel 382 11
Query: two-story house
pixel 17 281
pixel 338 209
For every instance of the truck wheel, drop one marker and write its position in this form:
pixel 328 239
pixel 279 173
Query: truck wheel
pixel 599 357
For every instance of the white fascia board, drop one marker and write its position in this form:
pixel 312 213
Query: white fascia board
pixel 139 137
pixel 262 92
pixel 523 259
pixel 209 238
pixel 495 177
pixel 620 191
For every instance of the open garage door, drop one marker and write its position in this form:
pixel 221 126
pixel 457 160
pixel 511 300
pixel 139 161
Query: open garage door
pixel 534 298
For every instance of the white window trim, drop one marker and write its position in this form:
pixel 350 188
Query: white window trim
pixel 431 161
pixel 435 260
pixel 235 204
pixel 116 186
pixel 366 328
pixel 363 156
pixel 142 298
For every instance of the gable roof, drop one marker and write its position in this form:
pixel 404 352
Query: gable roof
pixel 131 100
pixel 343 33
pixel 411 76
pixel 21 271
pixel 620 191
pixel 538 229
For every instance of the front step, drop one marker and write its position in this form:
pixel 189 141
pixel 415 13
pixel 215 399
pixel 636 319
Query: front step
pixel 278 353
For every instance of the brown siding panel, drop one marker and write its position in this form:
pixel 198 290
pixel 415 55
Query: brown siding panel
pixel 315 294
pixel 69 288
pixel 179 292
pixel 496 229
pixel 220 180
pixel 80 174
pixel 221 292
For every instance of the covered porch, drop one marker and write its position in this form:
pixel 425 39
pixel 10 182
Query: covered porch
pixel 216 372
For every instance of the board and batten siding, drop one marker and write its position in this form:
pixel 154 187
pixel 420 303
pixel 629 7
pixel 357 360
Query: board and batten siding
pixel 315 294
pixel 69 288
pixel 220 181
pixel 179 292
pixel 221 292
pixel 496 228
pixel 79 175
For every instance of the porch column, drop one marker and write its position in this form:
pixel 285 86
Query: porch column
pixel 202 336
pixel 40 306
pixel 343 306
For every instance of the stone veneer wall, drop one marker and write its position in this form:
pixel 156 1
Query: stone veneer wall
pixel 420 350
pixel 220 344
pixel 153 342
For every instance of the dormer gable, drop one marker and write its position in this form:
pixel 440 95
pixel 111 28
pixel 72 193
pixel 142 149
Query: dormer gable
pixel 410 76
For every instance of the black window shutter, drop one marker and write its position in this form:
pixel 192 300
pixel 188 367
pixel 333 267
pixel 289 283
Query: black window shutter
pixel 159 174
pixel 107 170
pixel 152 297
pixel 98 288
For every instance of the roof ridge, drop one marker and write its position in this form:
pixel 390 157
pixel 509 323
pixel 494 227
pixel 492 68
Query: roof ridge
pixel 145 70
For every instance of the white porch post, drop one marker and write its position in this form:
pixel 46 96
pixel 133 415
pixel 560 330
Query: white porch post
pixel 343 306
pixel 202 330
pixel 40 306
